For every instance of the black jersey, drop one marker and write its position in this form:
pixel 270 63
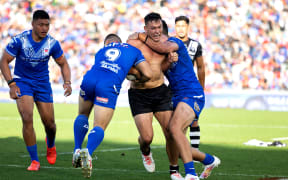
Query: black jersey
pixel 194 49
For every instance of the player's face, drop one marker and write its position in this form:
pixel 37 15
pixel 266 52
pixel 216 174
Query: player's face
pixel 41 27
pixel 181 28
pixel 154 30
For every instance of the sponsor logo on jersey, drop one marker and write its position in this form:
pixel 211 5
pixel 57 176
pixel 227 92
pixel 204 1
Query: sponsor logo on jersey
pixel 45 52
pixel 102 100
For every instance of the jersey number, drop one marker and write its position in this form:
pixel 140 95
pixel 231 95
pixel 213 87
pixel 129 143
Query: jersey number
pixel 112 54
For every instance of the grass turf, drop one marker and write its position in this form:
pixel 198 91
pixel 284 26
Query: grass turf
pixel 223 132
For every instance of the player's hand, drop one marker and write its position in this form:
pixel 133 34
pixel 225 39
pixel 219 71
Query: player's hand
pixel 173 57
pixel 133 36
pixel 67 89
pixel 14 91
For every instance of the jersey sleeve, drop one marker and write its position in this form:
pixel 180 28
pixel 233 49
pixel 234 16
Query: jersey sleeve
pixel 13 47
pixel 139 58
pixel 56 50
pixel 177 41
pixel 199 51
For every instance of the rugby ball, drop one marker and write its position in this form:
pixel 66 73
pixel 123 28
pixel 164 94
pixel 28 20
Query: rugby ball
pixel 132 74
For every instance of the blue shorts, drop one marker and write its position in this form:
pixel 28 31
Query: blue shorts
pixel 100 89
pixel 39 90
pixel 196 102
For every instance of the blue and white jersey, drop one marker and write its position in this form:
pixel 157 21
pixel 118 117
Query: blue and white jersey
pixel 117 58
pixel 181 74
pixel 32 57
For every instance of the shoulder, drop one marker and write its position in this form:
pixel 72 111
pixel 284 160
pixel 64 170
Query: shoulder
pixel 135 42
pixel 194 41
pixel 179 42
pixel 24 34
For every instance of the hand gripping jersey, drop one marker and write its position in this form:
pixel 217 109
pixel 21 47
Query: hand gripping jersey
pixel 32 57
pixel 181 75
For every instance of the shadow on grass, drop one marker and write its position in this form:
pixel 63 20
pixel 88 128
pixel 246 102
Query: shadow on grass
pixel 123 161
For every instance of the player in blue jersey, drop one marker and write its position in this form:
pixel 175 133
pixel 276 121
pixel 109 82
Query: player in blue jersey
pixel 195 52
pixel 30 83
pixel 188 102
pixel 99 89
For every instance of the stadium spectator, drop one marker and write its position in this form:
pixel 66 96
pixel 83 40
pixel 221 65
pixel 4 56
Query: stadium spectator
pixel 231 33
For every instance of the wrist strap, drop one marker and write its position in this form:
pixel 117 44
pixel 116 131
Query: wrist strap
pixel 10 81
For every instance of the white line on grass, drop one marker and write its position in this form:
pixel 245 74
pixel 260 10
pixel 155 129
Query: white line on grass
pixel 66 120
pixel 280 139
pixel 100 150
pixel 133 171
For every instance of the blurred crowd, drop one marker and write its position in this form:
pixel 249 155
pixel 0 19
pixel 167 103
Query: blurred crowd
pixel 244 41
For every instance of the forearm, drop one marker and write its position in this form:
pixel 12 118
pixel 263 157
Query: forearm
pixel 159 46
pixel 201 77
pixel 66 73
pixel 4 66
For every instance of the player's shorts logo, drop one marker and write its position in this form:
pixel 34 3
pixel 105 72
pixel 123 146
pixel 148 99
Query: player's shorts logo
pixel 82 93
pixel 196 107
pixel 102 100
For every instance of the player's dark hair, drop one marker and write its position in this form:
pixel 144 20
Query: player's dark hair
pixel 112 38
pixel 40 14
pixel 152 17
pixel 182 18
pixel 165 28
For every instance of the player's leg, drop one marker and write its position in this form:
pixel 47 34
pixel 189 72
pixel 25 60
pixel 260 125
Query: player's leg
pixel 210 162
pixel 25 106
pixel 46 111
pixel 181 119
pixel 144 125
pixel 140 101
pixel 195 134
pixel 172 151
pixel 102 117
pixel 81 127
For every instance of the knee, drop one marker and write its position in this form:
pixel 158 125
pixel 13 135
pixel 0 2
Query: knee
pixel 147 139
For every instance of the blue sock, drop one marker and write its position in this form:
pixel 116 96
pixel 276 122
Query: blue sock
pixel 95 137
pixel 189 168
pixel 81 127
pixel 33 152
pixel 50 143
pixel 208 159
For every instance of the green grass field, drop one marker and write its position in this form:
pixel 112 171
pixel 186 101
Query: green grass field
pixel 223 132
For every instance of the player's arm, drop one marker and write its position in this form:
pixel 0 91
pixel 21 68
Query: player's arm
pixel 201 70
pixel 145 70
pixel 4 66
pixel 170 58
pixel 66 74
pixel 160 46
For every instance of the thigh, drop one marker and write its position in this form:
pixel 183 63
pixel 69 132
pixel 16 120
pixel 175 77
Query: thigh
pixel 84 107
pixel 182 117
pixel 46 111
pixel 163 118
pixel 25 106
pixel 102 116
pixel 144 124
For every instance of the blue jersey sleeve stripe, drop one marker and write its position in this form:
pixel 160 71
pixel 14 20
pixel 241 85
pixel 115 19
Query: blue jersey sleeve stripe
pixel 9 52
pixel 139 62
